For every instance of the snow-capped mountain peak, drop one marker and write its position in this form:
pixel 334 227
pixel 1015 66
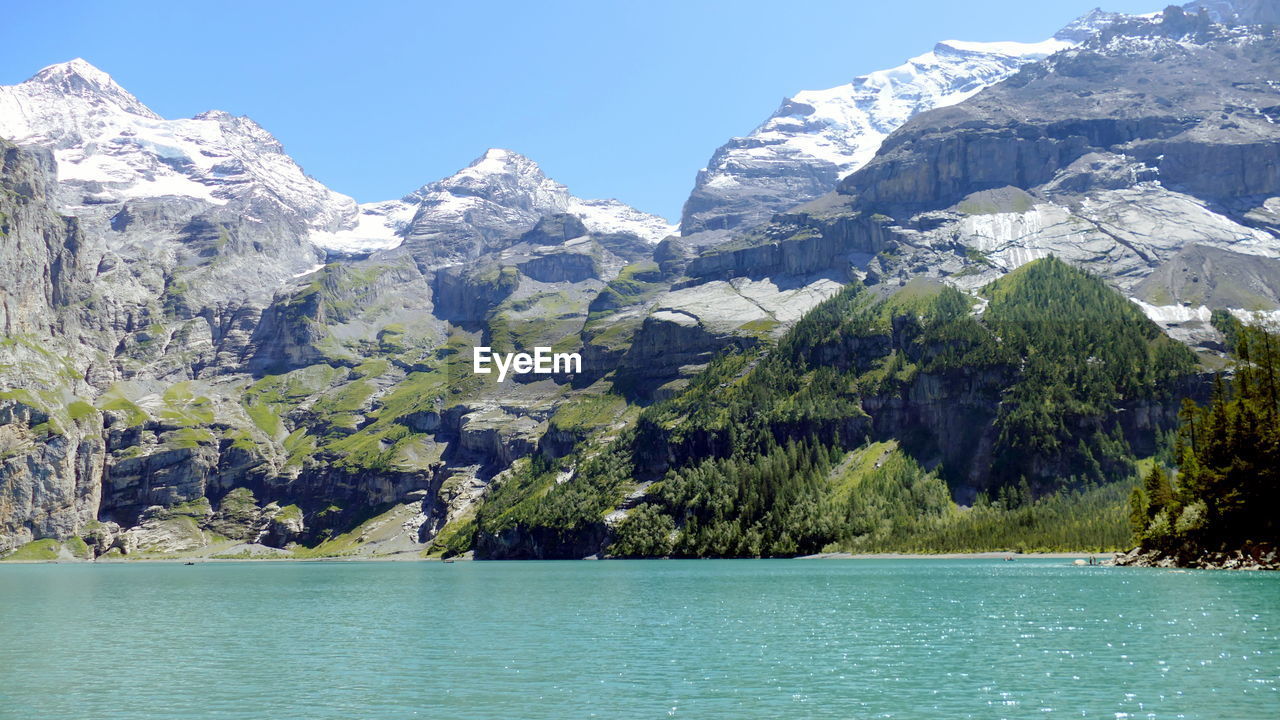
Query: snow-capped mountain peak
pixel 498 196
pixel 818 136
pixel 515 181
pixel 505 177
pixel 1087 25
pixel 499 178
pixel 81 79
pixel 109 149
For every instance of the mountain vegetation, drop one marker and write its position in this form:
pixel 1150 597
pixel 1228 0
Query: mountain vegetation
pixel 1223 492
pixel 824 440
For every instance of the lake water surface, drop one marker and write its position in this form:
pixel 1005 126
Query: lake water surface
pixel 637 639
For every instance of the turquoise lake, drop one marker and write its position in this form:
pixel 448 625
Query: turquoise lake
pixel 637 639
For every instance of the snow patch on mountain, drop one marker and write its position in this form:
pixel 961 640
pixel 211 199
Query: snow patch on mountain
pixel 1181 321
pixel 853 119
pixel 378 226
pixel 1167 314
pixel 612 216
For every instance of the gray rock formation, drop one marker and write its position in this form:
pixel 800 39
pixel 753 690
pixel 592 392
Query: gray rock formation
pixel 1252 12
pixel 1213 277
pixel 44 269
pixel 1199 121
pixel 50 472
pixel 51 448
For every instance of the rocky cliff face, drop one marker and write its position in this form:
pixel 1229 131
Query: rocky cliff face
pixel 43 273
pixel 1194 121
pixel 51 451
pixel 1252 12
pixel 50 473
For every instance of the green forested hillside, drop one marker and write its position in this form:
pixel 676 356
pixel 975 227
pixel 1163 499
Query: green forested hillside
pixel 1017 402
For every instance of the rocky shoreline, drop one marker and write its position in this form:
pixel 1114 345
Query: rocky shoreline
pixel 985 555
pixel 258 553
pixel 1252 556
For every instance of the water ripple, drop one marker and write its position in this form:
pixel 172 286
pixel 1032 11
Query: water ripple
pixel 643 639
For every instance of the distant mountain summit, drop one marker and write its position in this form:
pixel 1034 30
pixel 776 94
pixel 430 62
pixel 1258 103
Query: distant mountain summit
pixel 111 150
pixel 818 136
pixel 497 197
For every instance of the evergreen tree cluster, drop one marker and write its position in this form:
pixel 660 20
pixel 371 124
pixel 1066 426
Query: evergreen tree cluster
pixel 1084 352
pixel 771 504
pixel 1088 518
pixel 1226 488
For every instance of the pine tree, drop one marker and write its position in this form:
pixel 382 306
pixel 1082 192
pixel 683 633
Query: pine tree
pixel 1228 456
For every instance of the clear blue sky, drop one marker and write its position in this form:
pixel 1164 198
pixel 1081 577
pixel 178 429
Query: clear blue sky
pixel 614 99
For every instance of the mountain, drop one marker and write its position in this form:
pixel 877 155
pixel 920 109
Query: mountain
pixel 818 136
pixel 191 373
pixel 759 455
pixel 1146 155
pixel 1174 148
pixel 110 149
pixel 157 269
pixel 498 196
pixel 113 152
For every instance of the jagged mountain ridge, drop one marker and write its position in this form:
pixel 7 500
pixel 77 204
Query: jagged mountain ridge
pixel 110 149
pixel 819 136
